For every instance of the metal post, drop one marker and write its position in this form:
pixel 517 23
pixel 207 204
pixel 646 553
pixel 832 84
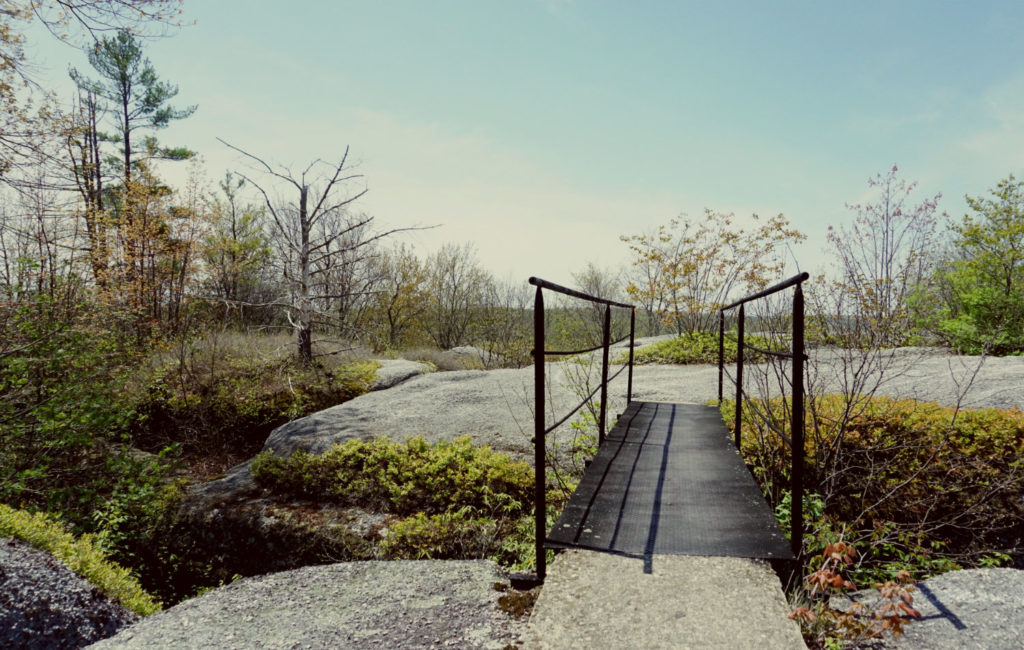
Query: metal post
pixel 797 514
pixel 605 343
pixel 721 351
pixel 539 496
pixel 739 377
pixel 632 340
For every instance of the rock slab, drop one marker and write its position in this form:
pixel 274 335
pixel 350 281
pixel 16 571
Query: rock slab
pixel 974 609
pixel 44 604
pixel 598 600
pixel 400 604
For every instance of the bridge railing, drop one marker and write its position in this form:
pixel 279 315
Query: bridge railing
pixel 797 353
pixel 541 429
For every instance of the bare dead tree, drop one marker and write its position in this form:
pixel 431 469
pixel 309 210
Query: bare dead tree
pixel 317 234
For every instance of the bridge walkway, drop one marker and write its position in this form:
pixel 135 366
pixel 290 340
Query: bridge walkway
pixel 669 481
pixel 668 539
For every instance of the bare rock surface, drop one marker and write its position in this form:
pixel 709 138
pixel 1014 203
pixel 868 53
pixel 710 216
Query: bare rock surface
pixel 599 600
pixel 974 609
pixel 400 604
pixel 392 372
pixel 44 604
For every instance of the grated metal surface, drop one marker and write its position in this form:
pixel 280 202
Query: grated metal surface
pixel 668 480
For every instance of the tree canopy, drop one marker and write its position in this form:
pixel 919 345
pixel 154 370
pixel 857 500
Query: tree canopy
pixel 984 279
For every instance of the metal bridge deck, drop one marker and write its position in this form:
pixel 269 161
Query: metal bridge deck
pixel 668 480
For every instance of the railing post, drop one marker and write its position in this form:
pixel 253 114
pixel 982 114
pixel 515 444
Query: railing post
pixel 605 344
pixel 797 426
pixel 739 376
pixel 632 342
pixel 721 351
pixel 539 447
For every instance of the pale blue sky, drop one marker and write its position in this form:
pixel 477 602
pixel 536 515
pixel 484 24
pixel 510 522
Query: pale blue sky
pixel 594 119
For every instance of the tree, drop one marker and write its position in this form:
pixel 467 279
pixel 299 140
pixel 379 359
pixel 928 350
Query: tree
pixel 984 279
pixel 505 322
pixel 884 256
pixel 20 124
pixel 309 249
pixel 235 250
pixel 400 300
pixel 84 151
pixel 458 287
pixel 136 101
pixel 131 92
pixel 690 270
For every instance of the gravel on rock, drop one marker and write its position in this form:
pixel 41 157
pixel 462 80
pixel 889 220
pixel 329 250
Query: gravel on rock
pixel 398 604
pixel 44 604
pixel 974 609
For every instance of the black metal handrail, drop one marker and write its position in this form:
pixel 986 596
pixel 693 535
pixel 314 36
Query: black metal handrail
pixel 797 352
pixel 540 430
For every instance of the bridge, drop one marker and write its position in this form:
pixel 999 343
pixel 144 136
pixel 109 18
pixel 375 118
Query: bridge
pixel 669 540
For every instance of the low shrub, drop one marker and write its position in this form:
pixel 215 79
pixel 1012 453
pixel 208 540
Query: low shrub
pixel 449 535
pixel 920 487
pixel 454 500
pixel 695 347
pixel 81 555
pixel 403 478
pixel 235 402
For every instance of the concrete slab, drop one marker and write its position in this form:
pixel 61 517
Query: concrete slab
pixel 600 600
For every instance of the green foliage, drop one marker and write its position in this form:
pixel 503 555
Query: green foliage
pixel 448 535
pixel 924 488
pixel 64 413
pixel 696 347
pixel 403 478
pixel 209 397
pixel 80 555
pixel 983 285
pixel 688 269
pixel 138 99
pixel 455 500
pixel 236 252
pixel 126 521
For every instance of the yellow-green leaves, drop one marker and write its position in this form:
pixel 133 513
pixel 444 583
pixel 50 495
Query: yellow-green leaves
pixel 80 555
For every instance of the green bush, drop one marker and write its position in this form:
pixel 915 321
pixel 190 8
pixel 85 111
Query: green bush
pixel 917 487
pixel 80 555
pixel 455 500
pixel 236 401
pixel 695 347
pixel 403 478
pixel 449 535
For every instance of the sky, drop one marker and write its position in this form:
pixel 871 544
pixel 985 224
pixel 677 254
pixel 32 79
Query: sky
pixel 541 131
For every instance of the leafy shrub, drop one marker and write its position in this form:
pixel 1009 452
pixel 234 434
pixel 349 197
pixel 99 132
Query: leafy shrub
pixel 449 535
pixel 231 401
pixel 695 347
pixel 64 413
pixel 859 622
pixel 981 296
pixel 456 500
pixel 403 478
pixel 922 487
pixel 80 555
